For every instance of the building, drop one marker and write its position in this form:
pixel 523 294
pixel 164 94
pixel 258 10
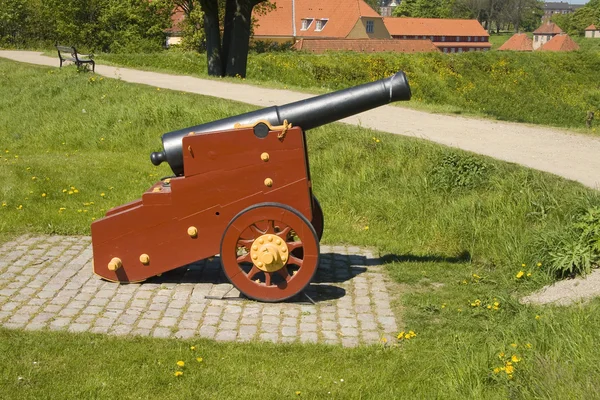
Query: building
pixel 544 33
pixel 517 42
pixel 561 7
pixel 387 7
pixel 293 20
pixel 562 42
pixel 449 35
pixel 365 45
pixel 592 32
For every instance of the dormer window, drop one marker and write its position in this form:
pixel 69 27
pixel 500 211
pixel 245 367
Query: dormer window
pixel 370 27
pixel 306 23
pixel 320 24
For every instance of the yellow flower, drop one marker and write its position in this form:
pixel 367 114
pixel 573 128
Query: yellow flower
pixel 400 335
pixel 519 274
pixel 64 190
pixel 513 345
pixel 43 194
pixel 383 339
pixel 298 393
pixel 70 192
pixel 76 191
pixel 528 345
pixel 33 178
pixel 4 204
pixel 539 264
pixel 537 317
pixel 501 355
pixel 192 348
pixel 522 265
pixel 496 370
pixel 509 369
pixel 180 363
pixel 199 359
pixel 102 194
pixel 515 358
pixel 178 373
pixel 366 228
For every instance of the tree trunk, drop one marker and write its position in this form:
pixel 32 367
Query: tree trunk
pixel 236 37
pixel 213 37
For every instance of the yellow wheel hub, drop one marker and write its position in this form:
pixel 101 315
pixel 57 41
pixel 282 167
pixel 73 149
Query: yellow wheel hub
pixel 269 253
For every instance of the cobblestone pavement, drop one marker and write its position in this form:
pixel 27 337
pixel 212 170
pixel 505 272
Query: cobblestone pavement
pixel 46 282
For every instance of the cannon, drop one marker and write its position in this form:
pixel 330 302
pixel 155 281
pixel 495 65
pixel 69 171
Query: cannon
pixel 241 189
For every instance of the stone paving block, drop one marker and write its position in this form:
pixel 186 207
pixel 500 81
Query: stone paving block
pixel 55 276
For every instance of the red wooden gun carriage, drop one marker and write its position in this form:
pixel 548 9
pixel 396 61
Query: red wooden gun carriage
pixel 241 189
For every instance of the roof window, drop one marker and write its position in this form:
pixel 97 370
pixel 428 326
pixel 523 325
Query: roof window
pixel 306 23
pixel 370 27
pixel 320 24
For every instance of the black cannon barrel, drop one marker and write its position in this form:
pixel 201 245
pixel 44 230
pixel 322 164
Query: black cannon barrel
pixel 307 114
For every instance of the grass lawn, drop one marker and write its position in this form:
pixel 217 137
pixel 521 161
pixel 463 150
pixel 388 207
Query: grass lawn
pixel 457 228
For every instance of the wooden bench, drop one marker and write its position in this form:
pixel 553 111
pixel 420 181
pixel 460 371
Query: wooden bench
pixel 69 53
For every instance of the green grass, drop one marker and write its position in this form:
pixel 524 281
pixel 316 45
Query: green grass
pixel 488 84
pixel 455 227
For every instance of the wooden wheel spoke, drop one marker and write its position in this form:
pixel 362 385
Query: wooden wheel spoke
pixel 245 258
pixel 270 226
pixel 294 245
pixel 268 278
pixel 283 272
pixel 284 232
pixel 256 230
pixel 295 260
pixel 245 243
pixel 253 272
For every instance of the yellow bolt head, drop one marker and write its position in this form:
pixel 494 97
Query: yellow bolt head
pixel 255 247
pixel 115 264
pixel 284 249
pixel 192 231
pixel 278 242
pixel 145 259
pixel 255 257
pixel 261 241
pixel 264 157
pixel 260 264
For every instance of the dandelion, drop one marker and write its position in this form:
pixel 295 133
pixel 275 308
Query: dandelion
pixel 528 274
pixel 366 228
pixel 43 194
pixel 4 204
pixel 515 358
pixel 64 190
pixel 539 264
pixel 400 335
pixel 76 191
pixel 528 345
pixel 537 317
pixel 199 359
pixel 298 393
pixel 513 345
pixel 102 194
pixel 444 305
pixel 180 363
pixel 501 355
pixel 192 348
pixel 33 178
pixel 509 369
pixel 178 373
pixel 476 276
pixel 522 265
pixel 383 340
pixel 496 370
pixel 20 207
pixel 519 274
pixel 61 209
pixel 70 192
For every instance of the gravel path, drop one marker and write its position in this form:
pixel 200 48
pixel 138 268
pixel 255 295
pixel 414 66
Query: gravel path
pixel 570 155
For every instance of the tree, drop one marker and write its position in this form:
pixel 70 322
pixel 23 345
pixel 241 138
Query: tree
pixel 425 9
pixel 226 53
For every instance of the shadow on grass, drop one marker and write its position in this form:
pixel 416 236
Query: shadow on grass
pixel 463 257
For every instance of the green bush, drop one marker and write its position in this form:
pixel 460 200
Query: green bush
pixel 576 250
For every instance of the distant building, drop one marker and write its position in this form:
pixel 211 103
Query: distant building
pixel 561 7
pixel 332 19
pixel 449 35
pixel 387 7
pixel 562 42
pixel 365 45
pixel 545 33
pixel 592 32
pixel 518 42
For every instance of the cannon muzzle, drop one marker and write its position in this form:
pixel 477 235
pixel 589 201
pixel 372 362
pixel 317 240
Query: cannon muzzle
pixel 307 114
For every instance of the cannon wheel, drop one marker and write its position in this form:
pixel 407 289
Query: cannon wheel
pixel 318 221
pixel 258 252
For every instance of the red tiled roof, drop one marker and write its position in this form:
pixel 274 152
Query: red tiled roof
pixel 591 28
pixel 366 45
pixel 434 27
pixel 518 42
pixel 341 16
pixel 560 43
pixel 549 28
